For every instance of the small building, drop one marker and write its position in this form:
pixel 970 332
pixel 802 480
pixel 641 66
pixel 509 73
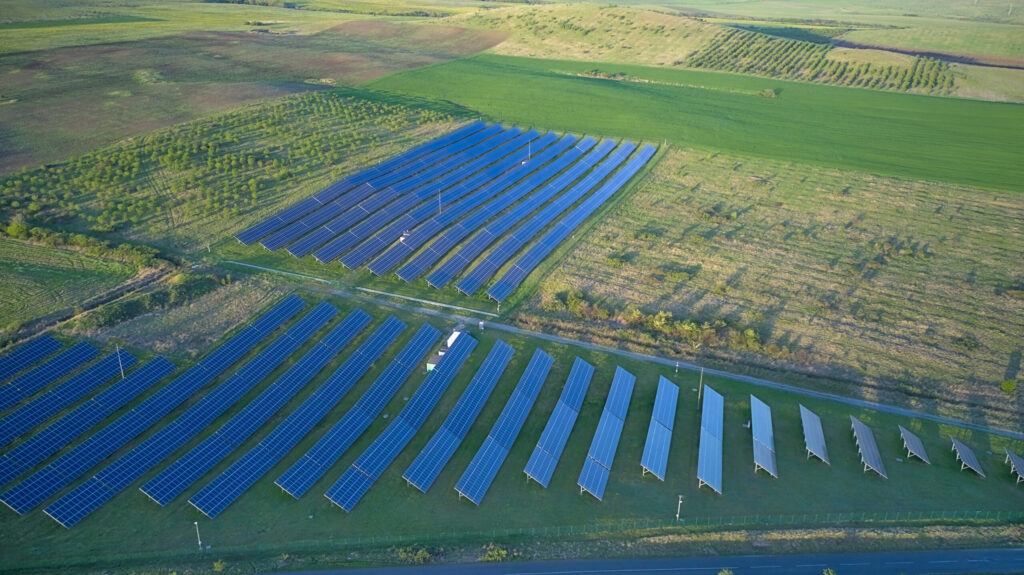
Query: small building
pixel 432 362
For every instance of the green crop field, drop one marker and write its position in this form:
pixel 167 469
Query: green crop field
pixel 839 274
pixel 36 281
pixel 966 142
pixel 132 530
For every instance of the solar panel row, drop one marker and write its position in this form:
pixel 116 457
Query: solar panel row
pixel 447 241
pixel 439 450
pixel 1016 464
pixel 480 473
pixel 440 191
pixel 53 401
pixel 540 250
pixel 46 373
pixel 415 238
pixel 423 183
pixel 709 456
pixel 26 355
pixel 598 466
pixel 348 210
pixel 128 468
pixel 189 468
pixel 220 492
pixel 70 466
pixel 763 436
pixel 867 447
pixel 62 432
pixel 341 436
pixel 814 436
pixel 349 488
pixel 967 457
pixel 286 216
pixel 659 432
pixel 545 456
pixel 913 444
pixel 525 232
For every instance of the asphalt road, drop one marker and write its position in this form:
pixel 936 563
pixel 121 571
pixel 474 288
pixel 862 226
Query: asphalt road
pixel 896 563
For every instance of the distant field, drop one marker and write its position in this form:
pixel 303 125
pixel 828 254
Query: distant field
pixel 902 289
pixel 189 186
pixel 966 142
pixel 36 280
pixel 267 525
pixel 63 102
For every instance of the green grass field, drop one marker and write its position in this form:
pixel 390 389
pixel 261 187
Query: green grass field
pixel 965 142
pixel 131 530
pixel 36 281
pixel 840 274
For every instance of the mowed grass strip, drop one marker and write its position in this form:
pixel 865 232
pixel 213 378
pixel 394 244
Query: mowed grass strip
pixel 959 141
pixel 38 280
pixel 266 521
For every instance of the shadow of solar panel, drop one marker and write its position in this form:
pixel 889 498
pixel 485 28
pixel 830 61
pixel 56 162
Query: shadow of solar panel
pixel 814 436
pixel 63 431
pixel 56 399
pixel 967 458
pixel 913 445
pixel 867 447
pixel 46 373
pixel 709 457
pixel 26 355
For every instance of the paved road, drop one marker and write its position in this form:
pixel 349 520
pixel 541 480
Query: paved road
pixel 860 403
pixel 896 563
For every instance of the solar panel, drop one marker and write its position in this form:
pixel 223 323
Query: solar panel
pixel 606 438
pixel 46 373
pixel 867 447
pixel 281 219
pixel 913 445
pixel 53 401
pixel 966 456
pixel 659 432
pixel 763 436
pixel 178 476
pixel 383 451
pixel 814 436
pixel 505 221
pixel 26 355
pixel 102 444
pixel 482 470
pixel 709 457
pixel 543 247
pixel 66 429
pixel 431 461
pixel 1016 464
pixel 229 485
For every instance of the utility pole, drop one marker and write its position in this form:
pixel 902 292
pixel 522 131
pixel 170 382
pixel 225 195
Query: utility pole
pixel 117 349
pixel 198 540
pixel 700 388
pixel 679 506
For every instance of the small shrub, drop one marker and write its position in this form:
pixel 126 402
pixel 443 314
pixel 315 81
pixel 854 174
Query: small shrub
pixel 414 555
pixel 494 554
pixel 219 565
pixel 1008 386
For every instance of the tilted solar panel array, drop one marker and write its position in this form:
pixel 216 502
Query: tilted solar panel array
pixel 115 477
pixel 31 414
pixel 290 214
pixel 216 447
pixel 659 432
pixel 545 456
pixel 480 473
pixel 967 458
pixel 464 184
pixel 709 453
pixel 371 464
pixel 504 220
pixel 53 369
pixel 914 445
pixel 523 234
pixel 867 447
pixel 423 471
pixel 29 493
pixel 814 436
pixel 301 476
pixel 556 235
pixel 26 355
pixel 598 465
pixel 220 492
pixel 493 192
pixel 763 436
pixel 419 186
